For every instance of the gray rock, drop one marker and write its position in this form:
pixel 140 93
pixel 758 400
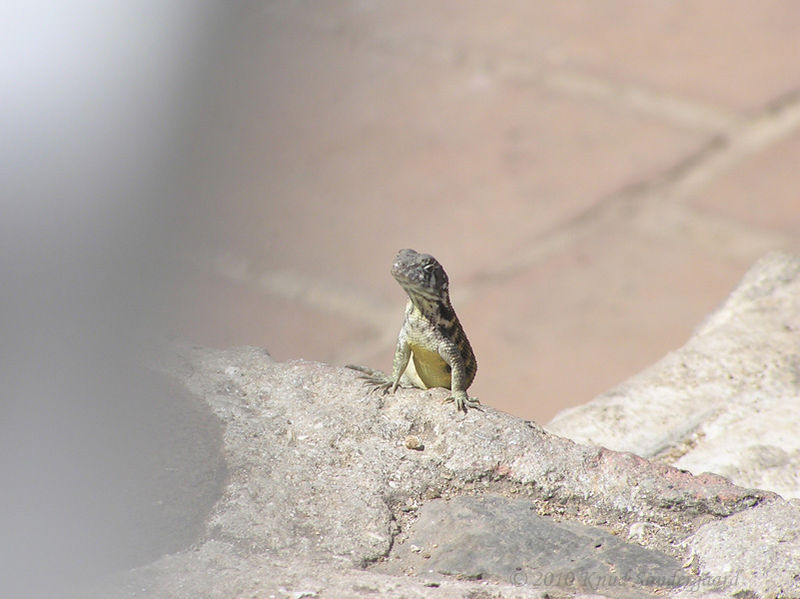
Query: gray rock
pixel 757 550
pixel 325 497
pixel 494 537
pixel 727 402
pixel 322 486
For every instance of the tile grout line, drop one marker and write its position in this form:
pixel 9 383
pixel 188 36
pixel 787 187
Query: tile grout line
pixel 569 81
pixel 294 286
pixel 674 185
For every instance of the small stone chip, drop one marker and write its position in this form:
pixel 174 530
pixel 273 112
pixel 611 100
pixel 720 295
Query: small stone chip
pixel 413 442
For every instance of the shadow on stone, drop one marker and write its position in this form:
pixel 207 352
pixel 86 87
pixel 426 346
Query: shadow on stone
pixel 502 539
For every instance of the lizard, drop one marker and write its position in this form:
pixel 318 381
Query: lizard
pixel 432 348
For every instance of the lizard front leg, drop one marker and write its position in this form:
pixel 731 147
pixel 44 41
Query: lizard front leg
pixel 402 354
pixel 458 380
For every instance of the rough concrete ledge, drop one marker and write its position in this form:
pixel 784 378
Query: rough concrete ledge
pixel 333 492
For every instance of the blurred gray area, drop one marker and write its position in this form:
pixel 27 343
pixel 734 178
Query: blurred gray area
pixel 103 465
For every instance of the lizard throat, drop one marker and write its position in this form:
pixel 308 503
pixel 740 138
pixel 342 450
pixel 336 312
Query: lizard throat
pixel 428 304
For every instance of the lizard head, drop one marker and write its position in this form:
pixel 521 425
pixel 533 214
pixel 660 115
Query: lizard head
pixel 422 277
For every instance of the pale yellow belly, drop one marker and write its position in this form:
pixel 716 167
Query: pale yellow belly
pixel 431 370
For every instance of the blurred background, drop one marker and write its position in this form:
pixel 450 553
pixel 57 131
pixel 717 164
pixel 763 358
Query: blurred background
pixel 594 176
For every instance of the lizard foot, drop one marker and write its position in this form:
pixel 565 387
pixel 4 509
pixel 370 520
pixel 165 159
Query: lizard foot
pixel 464 402
pixel 374 379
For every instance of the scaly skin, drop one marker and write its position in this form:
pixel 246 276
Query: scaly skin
pixel 432 348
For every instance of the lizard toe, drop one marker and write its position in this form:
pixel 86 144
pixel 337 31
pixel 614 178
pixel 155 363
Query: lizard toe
pixel 464 402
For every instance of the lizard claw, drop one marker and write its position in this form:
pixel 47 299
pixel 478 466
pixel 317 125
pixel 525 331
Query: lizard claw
pixel 376 384
pixel 464 402
pixel 378 387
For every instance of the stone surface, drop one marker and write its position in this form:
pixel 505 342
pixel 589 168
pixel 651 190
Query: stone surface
pixel 727 402
pixel 494 537
pixel 324 498
pixel 757 550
